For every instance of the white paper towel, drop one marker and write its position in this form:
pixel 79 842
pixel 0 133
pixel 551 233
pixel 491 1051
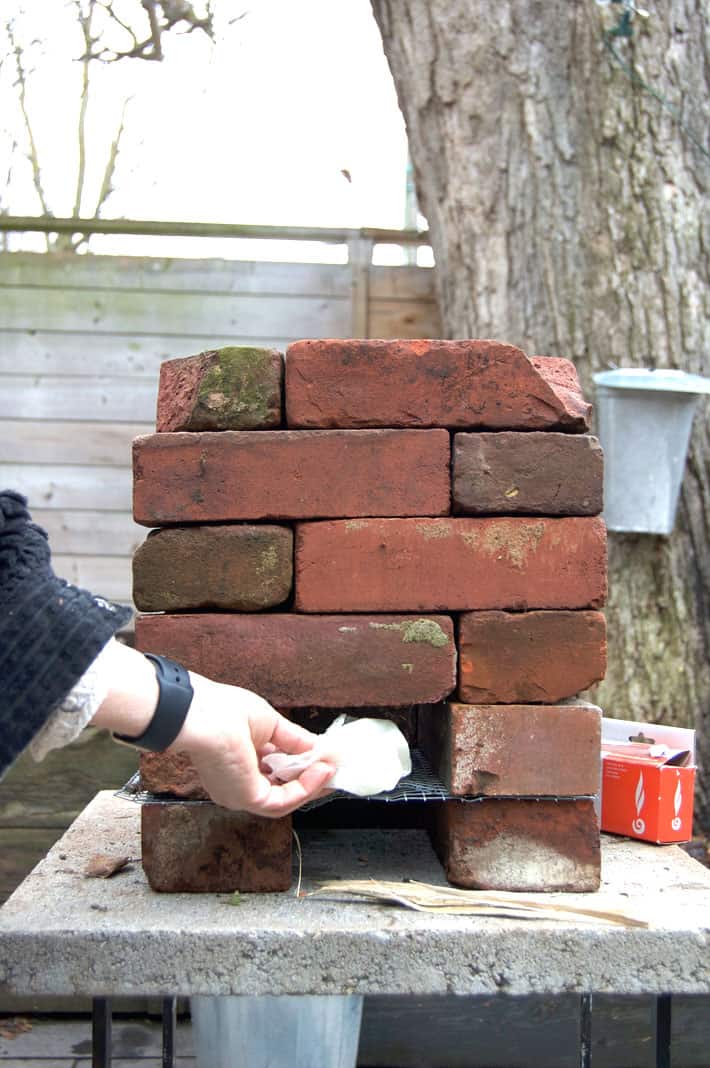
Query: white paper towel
pixel 370 755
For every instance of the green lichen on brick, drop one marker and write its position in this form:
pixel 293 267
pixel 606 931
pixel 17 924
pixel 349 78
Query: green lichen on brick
pixel 240 390
pixel 424 630
pixel 417 630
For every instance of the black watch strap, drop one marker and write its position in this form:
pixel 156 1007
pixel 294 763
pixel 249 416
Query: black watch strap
pixel 175 697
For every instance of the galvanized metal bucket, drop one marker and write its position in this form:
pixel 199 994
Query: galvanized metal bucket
pixel 644 423
pixel 276 1032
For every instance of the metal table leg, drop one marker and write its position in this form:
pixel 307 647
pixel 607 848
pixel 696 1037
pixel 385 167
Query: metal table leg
pixel 663 1031
pixel 169 1010
pixel 101 1033
pixel 585 1031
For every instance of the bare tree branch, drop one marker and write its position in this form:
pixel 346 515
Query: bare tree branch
pixel 32 154
pixel 85 23
pixel 162 17
pixel 107 181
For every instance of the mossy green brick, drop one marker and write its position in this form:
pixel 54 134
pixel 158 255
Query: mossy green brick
pixel 233 388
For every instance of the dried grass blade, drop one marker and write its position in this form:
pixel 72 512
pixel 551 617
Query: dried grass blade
pixel 423 897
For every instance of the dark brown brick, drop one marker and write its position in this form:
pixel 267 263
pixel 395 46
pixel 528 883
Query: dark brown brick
pixel 238 568
pixel 275 474
pixel 529 657
pixel 481 384
pixel 201 848
pixel 391 565
pixel 296 661
pixel 536 473
pixel 234 388
pixel 529 846
pixel 514 750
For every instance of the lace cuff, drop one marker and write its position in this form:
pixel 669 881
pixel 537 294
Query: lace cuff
pixel 69 718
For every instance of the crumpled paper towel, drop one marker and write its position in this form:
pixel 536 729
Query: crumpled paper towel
pixel 370 755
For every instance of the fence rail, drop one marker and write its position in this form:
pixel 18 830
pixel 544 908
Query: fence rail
pixel 156 228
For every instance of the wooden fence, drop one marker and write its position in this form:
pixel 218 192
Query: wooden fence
pixel 81 342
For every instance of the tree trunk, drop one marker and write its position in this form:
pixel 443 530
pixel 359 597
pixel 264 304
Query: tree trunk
pixel 567 213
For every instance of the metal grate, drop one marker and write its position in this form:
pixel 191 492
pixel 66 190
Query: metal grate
pixel 420 785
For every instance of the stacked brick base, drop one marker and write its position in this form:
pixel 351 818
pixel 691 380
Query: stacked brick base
pixel 422 533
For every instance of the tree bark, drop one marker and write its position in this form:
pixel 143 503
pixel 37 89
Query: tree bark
pixel 568 214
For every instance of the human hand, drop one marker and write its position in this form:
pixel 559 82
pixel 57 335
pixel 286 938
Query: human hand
pixel 227 732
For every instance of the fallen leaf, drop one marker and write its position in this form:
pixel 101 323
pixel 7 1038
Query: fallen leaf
pixel 102 866
pixel 17 1025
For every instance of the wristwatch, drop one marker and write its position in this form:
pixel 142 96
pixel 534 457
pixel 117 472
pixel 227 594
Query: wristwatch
pixel 175 695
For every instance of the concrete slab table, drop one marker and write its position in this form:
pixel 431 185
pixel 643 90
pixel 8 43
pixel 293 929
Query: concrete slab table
pixel 64 933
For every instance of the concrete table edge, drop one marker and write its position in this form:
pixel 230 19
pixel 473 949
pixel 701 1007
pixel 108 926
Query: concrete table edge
pixel 64 933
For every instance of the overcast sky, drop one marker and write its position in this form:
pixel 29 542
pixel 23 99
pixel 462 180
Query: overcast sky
pixel 257 129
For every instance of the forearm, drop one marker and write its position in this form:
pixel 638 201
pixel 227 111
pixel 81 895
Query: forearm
pixel 132 696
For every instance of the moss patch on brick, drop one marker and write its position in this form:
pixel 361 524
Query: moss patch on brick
pixel 240 389
pixel 417 630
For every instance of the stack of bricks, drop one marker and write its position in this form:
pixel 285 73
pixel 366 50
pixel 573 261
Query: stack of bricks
pixel 384 525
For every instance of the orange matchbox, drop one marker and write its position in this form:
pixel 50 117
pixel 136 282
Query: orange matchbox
pixel 648 776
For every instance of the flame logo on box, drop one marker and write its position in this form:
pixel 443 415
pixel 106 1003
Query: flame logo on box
pixel 639 825
pixel 676 822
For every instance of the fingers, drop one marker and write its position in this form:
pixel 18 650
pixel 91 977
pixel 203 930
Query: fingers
pixel 290 738
pixel 281 800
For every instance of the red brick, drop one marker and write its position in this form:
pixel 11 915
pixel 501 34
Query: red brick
pixel 170 773
pixel 486 384
pixel 534 473
pixel 514 750
pixel 521 657
pixel 201 848
pixel 326 661
pixel 413 565
pixel 515 845
pixel 238 568
pixel 272 474
pixel 234 388
pixel 561 376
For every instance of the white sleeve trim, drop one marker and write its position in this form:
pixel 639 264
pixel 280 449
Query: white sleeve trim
pixel 81 704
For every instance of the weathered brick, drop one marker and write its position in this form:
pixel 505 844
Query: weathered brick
pixel 483 384
pixel 170 773
pixel 383 565
pixel 326 661
pixel 534 473
pixel 239 568
pixel 234 388
pixel 498 844
pixel 201 848
pixel 509 657
pixel 272 474
pixel 561 375
pixel 514 750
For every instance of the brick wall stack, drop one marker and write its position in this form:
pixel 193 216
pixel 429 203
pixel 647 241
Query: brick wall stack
pixel 385 525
